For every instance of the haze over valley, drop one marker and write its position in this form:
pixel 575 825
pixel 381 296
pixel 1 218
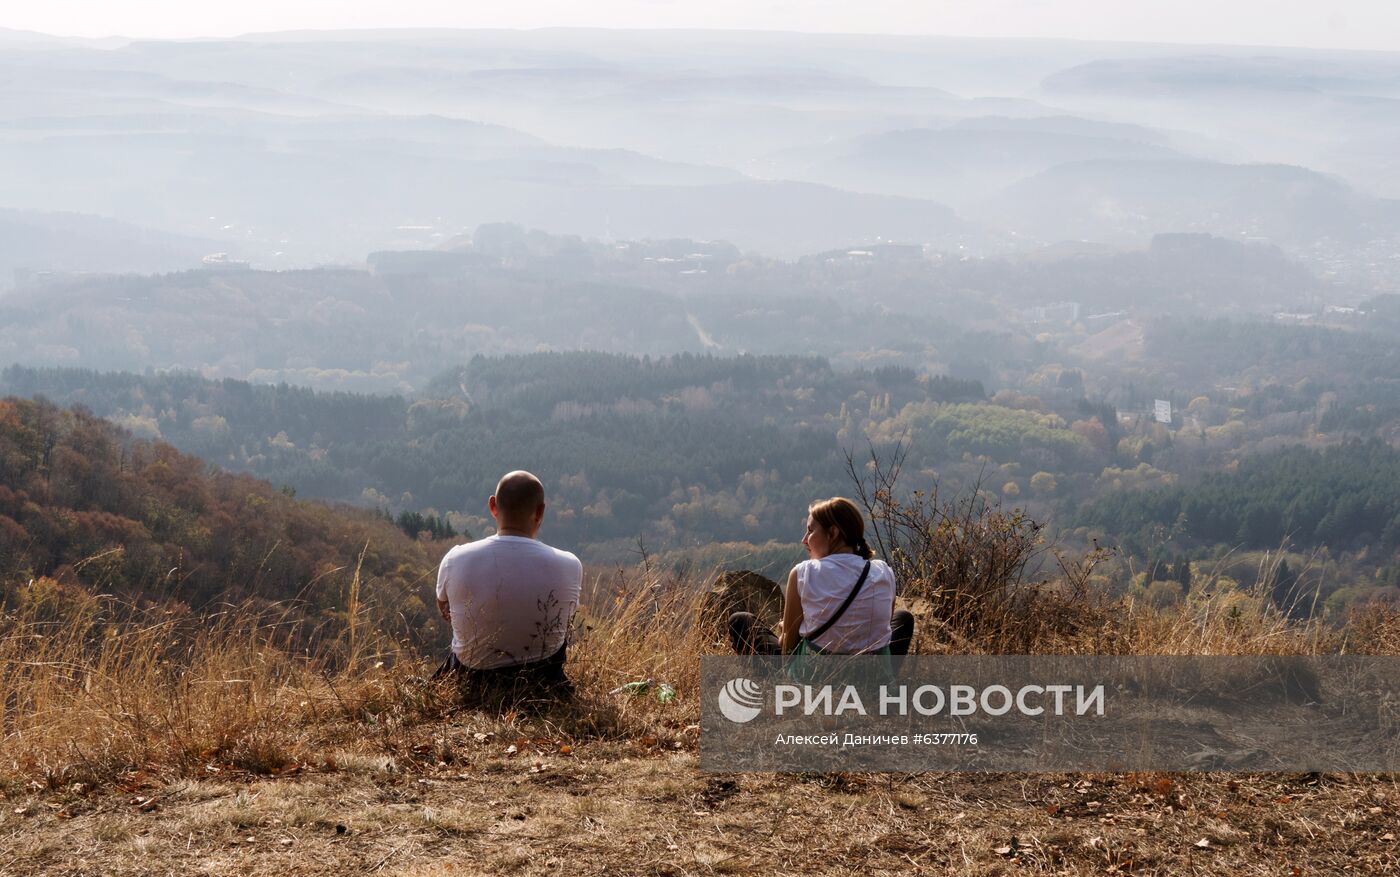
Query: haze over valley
pixel 302 149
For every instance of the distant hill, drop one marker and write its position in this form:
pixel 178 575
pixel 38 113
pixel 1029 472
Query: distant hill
pixel 966 161
pixel 1213 74
pixel 1344 496
pixel 1130 200
pixel 780 218
pixel 293 193
pixel 62 243
pixel 1179 273
pixel 28 39
pixel 334 329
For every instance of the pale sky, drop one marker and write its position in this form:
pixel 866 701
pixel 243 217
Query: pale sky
pixel 1347 24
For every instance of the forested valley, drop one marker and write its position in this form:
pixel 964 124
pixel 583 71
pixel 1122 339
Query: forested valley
pixel 1280 445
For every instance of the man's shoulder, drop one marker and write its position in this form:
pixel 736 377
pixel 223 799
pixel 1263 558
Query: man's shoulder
pixel 564 557
pixel 468 548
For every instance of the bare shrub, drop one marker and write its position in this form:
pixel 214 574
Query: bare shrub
pixel 968 566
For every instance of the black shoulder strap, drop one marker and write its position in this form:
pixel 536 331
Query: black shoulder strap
pixel 826 625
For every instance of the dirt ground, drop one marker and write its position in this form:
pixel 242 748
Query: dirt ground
pixel 525 806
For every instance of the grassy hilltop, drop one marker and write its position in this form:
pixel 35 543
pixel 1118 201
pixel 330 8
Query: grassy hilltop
pixel 272 717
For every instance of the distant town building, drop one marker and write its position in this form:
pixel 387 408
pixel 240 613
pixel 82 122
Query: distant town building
pixel 872 253
pixel 898 252
pixel 1108 316
pixel 1054 312
pixel 222 262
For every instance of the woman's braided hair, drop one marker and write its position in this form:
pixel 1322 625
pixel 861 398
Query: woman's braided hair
pixel 842 515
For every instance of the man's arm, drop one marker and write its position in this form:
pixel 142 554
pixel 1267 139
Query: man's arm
pixel 443 609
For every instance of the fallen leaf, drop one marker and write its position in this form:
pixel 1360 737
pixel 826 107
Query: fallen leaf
pixel 1203 843
pixel 648 741
pixel 1004 851
pixel 1389 835
pixel 512 749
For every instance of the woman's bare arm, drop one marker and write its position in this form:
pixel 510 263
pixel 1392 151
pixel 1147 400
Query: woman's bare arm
pixel 792 615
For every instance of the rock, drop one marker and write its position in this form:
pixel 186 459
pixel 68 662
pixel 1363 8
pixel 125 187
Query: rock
pixel 742 591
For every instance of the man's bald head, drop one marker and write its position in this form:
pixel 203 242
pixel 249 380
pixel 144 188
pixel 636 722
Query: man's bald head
pixel 519 500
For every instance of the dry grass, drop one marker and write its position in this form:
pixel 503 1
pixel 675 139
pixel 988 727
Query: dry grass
pixel 94 690
pixel 139 741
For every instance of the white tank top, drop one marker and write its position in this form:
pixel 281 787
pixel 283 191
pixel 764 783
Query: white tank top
pixel 823 585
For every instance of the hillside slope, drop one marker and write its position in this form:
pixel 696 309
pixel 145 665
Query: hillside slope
pixel 84 505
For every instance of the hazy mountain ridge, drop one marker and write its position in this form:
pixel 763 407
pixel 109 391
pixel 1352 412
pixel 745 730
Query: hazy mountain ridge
pixel 34 242
pixel 508 290
pixel 1125 201
pixel 1204 72
pixel 290 139
pixel 966 164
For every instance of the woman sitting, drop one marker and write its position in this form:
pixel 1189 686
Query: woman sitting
pixel 840 602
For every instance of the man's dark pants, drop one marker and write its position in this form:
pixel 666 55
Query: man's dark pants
pixel 546 672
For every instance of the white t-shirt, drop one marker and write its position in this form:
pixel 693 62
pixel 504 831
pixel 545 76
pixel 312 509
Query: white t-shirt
pixel 824 584
pixel 510 598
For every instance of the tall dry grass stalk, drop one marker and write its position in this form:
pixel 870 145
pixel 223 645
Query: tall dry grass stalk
pixel 353 608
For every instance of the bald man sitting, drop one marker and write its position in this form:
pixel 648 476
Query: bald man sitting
pixel 509 597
